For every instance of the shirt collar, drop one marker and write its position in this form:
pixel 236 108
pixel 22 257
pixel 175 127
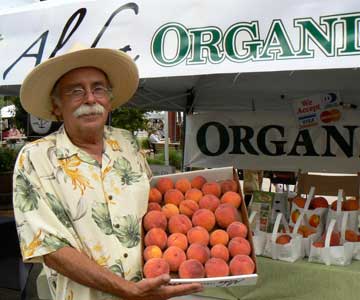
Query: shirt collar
pixel 65 148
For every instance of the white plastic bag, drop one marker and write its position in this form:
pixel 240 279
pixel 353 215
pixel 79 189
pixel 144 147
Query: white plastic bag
pixel 313 218
pixel 290 251
pixel 332 255
pixel 259 237
pixel 338 214
pixel 304 224
pixel 355 245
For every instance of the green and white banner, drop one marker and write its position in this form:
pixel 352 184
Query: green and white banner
pixel 186 37
pixel 272 141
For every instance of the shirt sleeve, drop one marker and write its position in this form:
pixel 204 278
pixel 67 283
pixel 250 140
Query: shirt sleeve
pixel 144 164
pixel 42 222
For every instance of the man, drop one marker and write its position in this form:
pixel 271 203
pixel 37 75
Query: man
pixel 80 193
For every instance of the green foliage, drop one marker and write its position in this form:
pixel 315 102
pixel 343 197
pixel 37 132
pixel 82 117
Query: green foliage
pixel 175 159
pixel 144 143
pixel 132 119
pixel 7 158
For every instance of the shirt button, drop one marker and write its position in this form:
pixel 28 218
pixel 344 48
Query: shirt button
pixel 125 255
pixel 117 226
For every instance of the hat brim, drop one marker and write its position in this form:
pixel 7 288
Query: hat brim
pixel 118 66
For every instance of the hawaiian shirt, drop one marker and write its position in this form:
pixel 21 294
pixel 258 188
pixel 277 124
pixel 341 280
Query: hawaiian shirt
pixel 64 197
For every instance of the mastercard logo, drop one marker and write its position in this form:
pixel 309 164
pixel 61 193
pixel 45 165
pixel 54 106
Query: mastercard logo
pixel 328 116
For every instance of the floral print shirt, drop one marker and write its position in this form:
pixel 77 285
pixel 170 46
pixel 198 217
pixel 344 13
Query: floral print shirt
pixel 64 197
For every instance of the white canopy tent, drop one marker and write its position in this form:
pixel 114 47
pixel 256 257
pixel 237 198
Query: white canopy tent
pixel 294 51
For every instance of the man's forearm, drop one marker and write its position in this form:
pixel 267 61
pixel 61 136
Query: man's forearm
pixel 79 268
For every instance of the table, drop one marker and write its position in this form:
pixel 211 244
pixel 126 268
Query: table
pixel 299 281
pixel 12 140
pixel 159 146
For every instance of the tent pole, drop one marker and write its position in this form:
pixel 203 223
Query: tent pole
pixel 166 133
pixel 188 111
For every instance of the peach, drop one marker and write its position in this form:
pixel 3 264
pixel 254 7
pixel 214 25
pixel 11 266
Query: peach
pixel 219 236
pixel 198 235
pixel 306 231
pixel 318 202
pixel 294 215
pixel 170 210
pixel 173 196
pixel 226 214
pixel 351 204
pixel 220 251
pixel 198 252
pixel 155 195
pixel 334 239
pixel 291 229
pixel 204 218
pixel 237 229
pixel 314 220
pixel 283 239
pixel 177 239
pixel 334 205
pixel 239 245
pixel 319 244
pixel 155 267
pixel 191 268
pixel 152 251
pixel 216 267
pixel 164 184
pixel 210 202
pixel 351 236
pixel 174 256
pixel 179 223
pixel 232 198
pixel 154 219
pixel 197 182
pixel 194 194
pixel 157 237
pixel 211 188
pixel 241 265
pixel 183 185
pixel 154 206
pixel 188 207
pixel 228 185
pixel 299 201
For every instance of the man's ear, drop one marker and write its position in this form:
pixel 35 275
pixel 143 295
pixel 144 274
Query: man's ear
pixel 56 111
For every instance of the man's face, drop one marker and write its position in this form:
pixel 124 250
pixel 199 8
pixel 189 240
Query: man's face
pixel 83 105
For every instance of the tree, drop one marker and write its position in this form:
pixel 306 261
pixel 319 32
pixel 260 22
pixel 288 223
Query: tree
pixel 132 119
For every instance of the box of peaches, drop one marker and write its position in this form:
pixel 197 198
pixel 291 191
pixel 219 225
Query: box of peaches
pixel 196 229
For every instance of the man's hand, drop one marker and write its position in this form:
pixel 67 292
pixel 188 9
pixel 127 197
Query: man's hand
pixel 158 288
pixel 79 268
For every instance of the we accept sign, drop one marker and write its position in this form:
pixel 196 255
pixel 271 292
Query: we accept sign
pixel 176 38
pixel 271 141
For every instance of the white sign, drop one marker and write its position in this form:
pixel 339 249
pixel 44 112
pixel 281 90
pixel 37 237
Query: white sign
pixel 317 110
pixel 39 126
pixel 177 38
pixel 271 141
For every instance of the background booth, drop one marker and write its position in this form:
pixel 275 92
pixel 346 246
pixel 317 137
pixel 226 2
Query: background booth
pixel 296 53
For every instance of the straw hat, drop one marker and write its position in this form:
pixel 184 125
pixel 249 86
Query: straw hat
pixel 118 66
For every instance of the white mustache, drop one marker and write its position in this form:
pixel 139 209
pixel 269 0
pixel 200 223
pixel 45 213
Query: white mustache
pixel 86 109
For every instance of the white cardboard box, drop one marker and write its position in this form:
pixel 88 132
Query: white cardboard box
pixel 219 174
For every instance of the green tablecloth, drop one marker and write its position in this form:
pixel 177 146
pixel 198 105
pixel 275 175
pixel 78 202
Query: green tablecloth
pixel 300 280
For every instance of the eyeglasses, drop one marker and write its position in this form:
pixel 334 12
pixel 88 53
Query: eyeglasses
pixel 99 92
